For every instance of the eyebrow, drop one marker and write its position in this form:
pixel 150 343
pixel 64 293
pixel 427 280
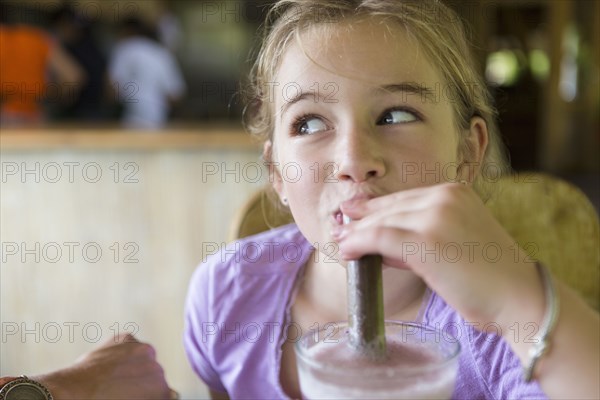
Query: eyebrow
pixel 403 87
pixel 301 96
pixel 408 88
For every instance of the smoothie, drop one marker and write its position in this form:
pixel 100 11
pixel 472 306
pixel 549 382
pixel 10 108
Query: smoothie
pixel 416 366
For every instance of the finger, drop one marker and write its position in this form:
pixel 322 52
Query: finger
pixel 124 337
pixel 407 220
pixel 399 248
pixel 173 395
pixel 146 351
pixel 393 217
pixel 411 197
pixel 381 240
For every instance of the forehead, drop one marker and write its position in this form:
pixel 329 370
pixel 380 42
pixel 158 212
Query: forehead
pixel 371 51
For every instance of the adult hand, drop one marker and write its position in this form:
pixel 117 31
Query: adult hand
pixel 446 235
pixel 122 368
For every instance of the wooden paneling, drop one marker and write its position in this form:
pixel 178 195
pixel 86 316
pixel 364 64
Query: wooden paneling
pixel 553 154
pixel 106 138
pixel 161 211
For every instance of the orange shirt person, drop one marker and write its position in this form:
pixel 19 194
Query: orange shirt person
pixel 27 55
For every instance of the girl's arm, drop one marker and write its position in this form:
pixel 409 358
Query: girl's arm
pixel 571 365
pixel 486 283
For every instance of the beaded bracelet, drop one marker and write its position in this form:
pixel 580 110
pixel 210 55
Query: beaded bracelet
pixel 541 344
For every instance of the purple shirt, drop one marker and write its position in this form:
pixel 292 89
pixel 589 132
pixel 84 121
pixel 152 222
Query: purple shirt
pixel 239 301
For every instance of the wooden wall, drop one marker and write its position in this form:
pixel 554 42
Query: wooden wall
pixel 160 211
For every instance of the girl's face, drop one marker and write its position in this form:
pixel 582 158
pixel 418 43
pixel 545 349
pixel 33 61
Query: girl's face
pixel 368 117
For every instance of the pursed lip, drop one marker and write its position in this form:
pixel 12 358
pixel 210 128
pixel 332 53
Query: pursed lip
pixel 336 215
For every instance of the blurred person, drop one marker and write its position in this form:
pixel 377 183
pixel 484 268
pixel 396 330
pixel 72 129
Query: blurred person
pixel 145 76
pixel 75 35
pixel 27 55
pixel 122 368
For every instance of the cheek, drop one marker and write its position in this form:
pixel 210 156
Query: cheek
pixel 304 206
pixel 304 191
pixel 300 169
pixel 295 180
pixel 426 162
pixel 308 198
pixel 442 165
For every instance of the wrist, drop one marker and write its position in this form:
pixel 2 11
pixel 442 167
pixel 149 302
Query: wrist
pixel 546 328
pixel 524 305
pixel 49 384
pixel 530 317
pixel 59 384
pixel 6 379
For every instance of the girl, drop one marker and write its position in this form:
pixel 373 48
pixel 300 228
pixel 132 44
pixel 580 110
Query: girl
pixel 378 107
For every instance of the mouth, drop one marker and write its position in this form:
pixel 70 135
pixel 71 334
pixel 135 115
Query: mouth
pixel 337 216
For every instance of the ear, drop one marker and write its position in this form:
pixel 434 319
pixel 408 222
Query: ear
pixel 273 170
pixel 473 149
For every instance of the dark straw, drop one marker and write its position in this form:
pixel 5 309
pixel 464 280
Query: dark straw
pixel 365 305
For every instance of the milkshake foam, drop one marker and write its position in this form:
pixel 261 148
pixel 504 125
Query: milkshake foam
pixel 411 370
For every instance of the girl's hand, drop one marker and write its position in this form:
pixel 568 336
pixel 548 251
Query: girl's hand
pixel 446 235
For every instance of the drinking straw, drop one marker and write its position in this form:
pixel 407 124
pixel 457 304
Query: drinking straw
pixel 365 305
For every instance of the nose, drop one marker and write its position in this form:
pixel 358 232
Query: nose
pixel 359 156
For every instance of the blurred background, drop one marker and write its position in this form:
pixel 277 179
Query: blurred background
pixel 117 181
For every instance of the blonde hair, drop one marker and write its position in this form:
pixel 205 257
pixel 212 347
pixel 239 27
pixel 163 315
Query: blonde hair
pixel 437 29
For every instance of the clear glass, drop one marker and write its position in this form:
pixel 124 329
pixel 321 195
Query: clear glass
pixel 421 363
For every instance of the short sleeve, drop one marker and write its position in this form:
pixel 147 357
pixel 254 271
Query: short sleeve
pixel 197 314
pixel 501 369
pixel 488 368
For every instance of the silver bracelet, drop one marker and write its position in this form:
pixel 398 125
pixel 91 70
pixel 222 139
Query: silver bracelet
pixel 541 345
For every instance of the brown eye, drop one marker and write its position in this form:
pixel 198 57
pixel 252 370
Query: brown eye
pixel 397 117
pixel 310 125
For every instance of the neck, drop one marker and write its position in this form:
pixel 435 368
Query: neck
pixel 324 289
